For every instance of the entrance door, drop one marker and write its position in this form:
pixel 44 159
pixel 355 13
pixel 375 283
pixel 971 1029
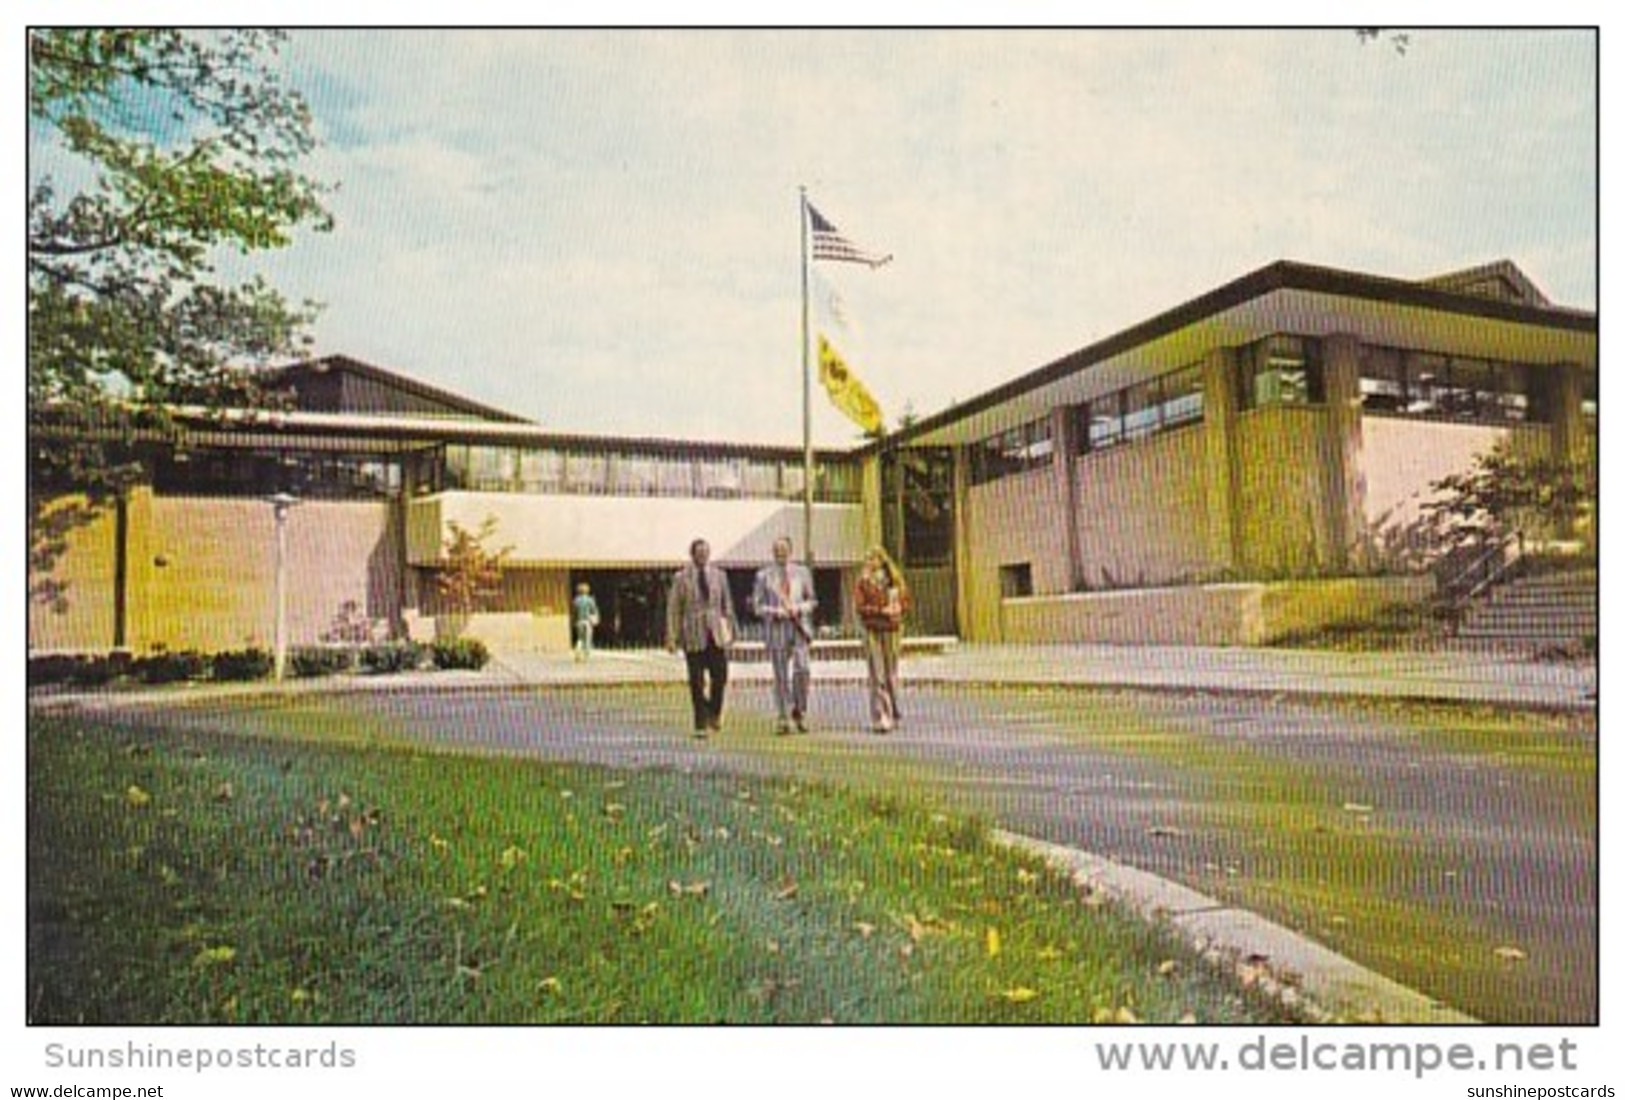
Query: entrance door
pixel 631 605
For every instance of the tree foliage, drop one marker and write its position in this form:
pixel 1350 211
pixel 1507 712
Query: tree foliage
pixel 154 153
pixel 472 572
pixel 1505 494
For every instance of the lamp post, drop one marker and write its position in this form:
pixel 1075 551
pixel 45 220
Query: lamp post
pixel 281 503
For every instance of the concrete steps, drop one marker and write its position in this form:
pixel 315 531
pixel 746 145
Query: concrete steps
pixel 1555 608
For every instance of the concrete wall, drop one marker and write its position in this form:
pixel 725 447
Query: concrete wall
pixel 1015 519
pixel 1402 458
pixel 203 571
pixel 1283 518
pixel 1214 614
pixel 201 574
pixel 1141 511
pixel 83 618
pixel 632 531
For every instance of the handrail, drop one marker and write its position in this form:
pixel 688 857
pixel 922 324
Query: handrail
pixel 1495 562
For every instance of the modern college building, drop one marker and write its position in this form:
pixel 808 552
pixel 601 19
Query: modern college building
pixel 1245 463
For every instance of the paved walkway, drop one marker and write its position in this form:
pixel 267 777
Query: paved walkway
pixel 1503 680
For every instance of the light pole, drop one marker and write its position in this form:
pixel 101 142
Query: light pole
pixel 281 503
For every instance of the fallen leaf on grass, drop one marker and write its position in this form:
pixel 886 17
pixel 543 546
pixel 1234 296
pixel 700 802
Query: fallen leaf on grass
pixel 215 956
pixel 512 856
pixel 1049 954
pixel 993 944
pixel 692 889
pixel 1020 994
pixel 1357 808
pixel 1165 831
pixel 1121 1015
pixel 1167 968
pixel 788 891
pixel 224 793
pixel 1511 954
pixel 864 929
pixel 550 985
pixel 136 797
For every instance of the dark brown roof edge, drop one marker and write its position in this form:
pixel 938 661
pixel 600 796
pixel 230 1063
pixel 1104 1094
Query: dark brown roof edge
pixel 402 382
pixel 1281 275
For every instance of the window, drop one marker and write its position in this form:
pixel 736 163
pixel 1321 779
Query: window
pixel 1143 409
pixel 586 473
pixel 718 477
pixel 1382 380
pixel 1401 383
pixel 1013 451
pixel 1016 580
pixel 1105 416
pixel 493 468
pixel 1282 370
pixel 541 471
pixel 1182 396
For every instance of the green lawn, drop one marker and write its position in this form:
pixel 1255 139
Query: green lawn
pixel 199 878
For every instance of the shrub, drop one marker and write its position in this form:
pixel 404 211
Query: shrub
pixel 320 660
pixel 170 668
pixel 385 657
pixel 461 653
pixel 77 669
pixel 252 663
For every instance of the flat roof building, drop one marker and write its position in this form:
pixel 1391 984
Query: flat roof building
pixel 1149 487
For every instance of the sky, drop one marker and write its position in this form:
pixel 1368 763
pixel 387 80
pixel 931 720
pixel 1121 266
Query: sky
pixel 600 229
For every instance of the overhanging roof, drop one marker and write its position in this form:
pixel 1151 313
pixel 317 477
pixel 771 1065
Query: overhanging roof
pixel 1283 297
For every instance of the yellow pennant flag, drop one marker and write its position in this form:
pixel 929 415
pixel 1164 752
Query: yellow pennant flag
pixel 845 391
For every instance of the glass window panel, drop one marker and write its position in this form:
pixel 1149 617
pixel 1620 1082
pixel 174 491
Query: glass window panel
pixel 1428 384
pixel 1141 411
pixel 794 478
pixel 634 475
pixel 1105 421
pixel 1382 380
pixel 493 469
pixel 541 470
pixel 586 473
pixel 675 476
pixel 1182 396
pixel 718 477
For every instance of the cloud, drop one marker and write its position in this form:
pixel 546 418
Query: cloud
pixel 599 228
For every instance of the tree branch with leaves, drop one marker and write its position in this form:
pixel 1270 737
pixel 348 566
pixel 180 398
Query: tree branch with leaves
pixel 153 153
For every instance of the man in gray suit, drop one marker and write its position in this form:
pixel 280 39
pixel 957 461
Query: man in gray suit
pixel 700 620
pixel 784 600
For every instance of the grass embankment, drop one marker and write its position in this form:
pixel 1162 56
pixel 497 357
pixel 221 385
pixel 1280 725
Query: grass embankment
pixel 202 879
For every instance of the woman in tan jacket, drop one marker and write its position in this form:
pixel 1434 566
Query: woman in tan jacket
pixel 882 599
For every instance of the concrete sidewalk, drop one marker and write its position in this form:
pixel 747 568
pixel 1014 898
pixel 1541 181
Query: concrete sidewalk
pixel 1503 680
pixel 1497 679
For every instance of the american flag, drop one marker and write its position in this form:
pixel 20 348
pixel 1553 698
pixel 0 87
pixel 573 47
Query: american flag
pixel 829 244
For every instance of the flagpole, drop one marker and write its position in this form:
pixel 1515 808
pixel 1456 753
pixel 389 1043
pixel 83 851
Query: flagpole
pixel 806 398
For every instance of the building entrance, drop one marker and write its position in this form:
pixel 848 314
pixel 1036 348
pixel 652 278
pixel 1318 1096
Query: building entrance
pixel 631 605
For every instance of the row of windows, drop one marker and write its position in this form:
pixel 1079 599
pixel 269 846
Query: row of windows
pixel 1288 370
pixel 600 473
pixel 1012 451
pixel 1143 409
pixel 1133 412
pixel 1417 384
pixel 311 475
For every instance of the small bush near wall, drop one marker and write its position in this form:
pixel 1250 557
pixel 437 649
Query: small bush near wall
pixel 388 657
pixel 460 653
pixel 171 668
pixel 77 669
pixel 320 660
pixel 243 664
